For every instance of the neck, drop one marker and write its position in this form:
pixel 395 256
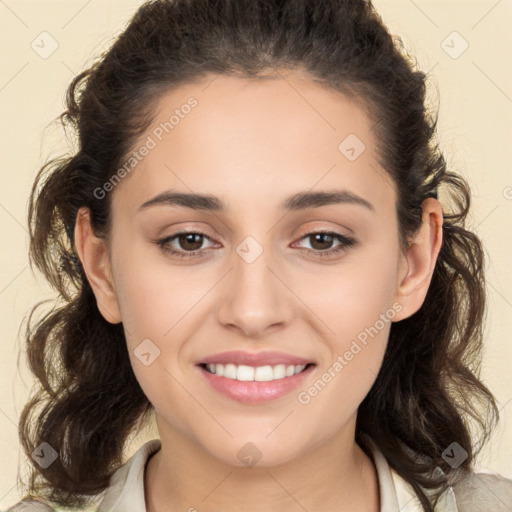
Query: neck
pixel 335 476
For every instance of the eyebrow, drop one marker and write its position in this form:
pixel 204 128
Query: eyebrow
pixel 299 201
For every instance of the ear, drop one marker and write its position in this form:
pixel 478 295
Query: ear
pixel 418 261
pixel 95 259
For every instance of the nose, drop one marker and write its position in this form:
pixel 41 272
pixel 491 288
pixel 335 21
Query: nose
pixel 254 298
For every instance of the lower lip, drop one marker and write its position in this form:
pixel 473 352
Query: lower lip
pixel 253 392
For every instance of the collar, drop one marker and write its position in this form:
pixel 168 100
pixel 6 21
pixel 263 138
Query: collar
pixel 396 494
pixel 126 490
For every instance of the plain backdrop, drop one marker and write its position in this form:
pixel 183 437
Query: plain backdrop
pixel 465 45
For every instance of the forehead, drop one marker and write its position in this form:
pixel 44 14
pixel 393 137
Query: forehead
pixel 255 140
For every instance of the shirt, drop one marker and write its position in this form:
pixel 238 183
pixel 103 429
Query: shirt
pixel 126 490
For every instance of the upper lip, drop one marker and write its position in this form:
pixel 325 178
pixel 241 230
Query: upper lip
pixel 238 357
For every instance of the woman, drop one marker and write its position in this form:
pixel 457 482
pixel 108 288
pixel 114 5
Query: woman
pixel 251 246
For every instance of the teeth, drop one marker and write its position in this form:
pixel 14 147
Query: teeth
pixel 250 373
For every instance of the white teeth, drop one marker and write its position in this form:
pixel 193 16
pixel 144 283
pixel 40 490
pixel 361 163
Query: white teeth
pixel 244 373
pixel 279 371
pixel 250 373
pixel 290 370
pixel 229 371
pixel 264 373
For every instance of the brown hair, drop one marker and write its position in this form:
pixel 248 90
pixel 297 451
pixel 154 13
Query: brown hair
pixel 87 401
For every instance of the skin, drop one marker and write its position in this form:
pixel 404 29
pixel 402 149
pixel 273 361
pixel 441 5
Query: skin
pixel 254 144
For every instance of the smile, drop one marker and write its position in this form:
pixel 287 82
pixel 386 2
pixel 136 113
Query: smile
pixel 253 385
pixel 246 373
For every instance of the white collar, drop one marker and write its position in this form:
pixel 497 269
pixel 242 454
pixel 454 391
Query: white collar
pixel 126 490
pixel 396 494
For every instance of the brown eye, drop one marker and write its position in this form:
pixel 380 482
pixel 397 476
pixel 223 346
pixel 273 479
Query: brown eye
pixel 321 241
pixel 186 244
pixel 190 241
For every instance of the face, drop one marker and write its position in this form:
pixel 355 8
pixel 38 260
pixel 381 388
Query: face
pixel 262 270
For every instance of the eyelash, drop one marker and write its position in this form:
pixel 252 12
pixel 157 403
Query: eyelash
pixel 346 243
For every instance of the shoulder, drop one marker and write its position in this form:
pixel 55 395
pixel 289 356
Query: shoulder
pixel 483 491
pixel 30 505
pixel 125 490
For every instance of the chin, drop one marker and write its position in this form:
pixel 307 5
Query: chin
pixel 256 453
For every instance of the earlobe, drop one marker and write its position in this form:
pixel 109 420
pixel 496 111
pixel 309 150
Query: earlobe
pixel 419 260
pixel 94 256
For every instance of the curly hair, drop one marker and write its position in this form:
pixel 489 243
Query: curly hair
pixel 87 402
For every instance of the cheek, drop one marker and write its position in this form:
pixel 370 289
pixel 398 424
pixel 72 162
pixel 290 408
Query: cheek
pixel 355 303
pixel 352 296
pixel 153 296
pixel 154 306
pixel 358 314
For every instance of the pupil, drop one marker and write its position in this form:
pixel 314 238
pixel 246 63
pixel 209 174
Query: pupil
pixel 322 237
pixel 188 238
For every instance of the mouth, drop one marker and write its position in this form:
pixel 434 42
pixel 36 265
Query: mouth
pixel 245 373
pixel 254 385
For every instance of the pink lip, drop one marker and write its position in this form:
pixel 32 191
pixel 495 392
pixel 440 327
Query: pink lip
pixel 255 359
pixel 254 392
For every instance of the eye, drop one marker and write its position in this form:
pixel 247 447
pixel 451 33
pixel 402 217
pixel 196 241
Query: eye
pixel 190 242
pixel 321 240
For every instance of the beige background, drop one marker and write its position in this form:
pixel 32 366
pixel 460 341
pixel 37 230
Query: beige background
pixel 475 91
